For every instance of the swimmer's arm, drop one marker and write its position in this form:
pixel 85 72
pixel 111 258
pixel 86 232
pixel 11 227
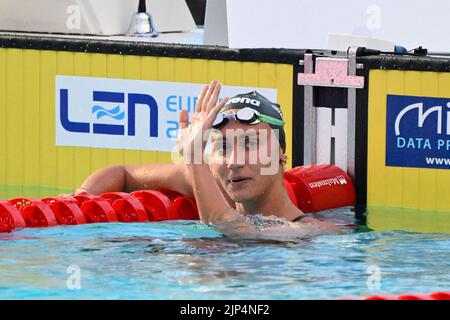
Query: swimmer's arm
pixel 212 204
pixel 129 178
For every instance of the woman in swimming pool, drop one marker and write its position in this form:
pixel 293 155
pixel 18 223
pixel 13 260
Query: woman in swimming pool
pixel 239 187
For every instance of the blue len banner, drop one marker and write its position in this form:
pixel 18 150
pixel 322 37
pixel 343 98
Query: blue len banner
pixel 418 132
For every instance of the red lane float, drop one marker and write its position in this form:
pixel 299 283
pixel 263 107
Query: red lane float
pixel 157 205
pixel 96 209
pixel 440 295
pixel 66 211
pixel 127 207
pixel 184 206
pixel 311 188
pixel 321 187
pixel 431 296
pixel 167 205
pixel 10 217
pixel 20 203
pixel 36 213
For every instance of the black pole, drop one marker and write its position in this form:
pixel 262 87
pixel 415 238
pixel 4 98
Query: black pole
pixel 142 7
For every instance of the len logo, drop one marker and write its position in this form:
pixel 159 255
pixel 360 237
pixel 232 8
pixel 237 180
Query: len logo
pixel 116 113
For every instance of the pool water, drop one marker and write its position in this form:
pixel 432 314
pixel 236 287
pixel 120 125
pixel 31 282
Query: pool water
pixel 188 260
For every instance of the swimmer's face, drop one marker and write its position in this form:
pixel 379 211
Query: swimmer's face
pixel 245 159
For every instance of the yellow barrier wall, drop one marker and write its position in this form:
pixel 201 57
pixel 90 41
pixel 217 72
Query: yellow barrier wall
pixel 28 154
pixel 416 188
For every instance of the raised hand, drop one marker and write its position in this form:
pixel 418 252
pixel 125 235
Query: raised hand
pixel 191 138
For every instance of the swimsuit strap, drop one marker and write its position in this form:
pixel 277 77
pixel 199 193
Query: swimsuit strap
pixel 300 217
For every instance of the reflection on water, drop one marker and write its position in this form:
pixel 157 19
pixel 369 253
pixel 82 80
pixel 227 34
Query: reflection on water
pixel 187 260
pixel 414 220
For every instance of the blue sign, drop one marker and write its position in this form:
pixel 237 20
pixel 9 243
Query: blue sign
pixel 114 113
pixel 418 132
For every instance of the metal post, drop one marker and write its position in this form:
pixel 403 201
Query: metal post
pixel 310 125
pixel 351 115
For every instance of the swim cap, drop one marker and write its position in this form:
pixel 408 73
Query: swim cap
pixel 261 104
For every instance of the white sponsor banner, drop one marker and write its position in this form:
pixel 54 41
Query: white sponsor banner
pixel 127 114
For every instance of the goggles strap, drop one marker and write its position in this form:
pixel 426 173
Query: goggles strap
pixel 259 116
pixel 271 120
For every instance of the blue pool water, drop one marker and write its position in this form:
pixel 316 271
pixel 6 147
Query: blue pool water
pixel 187 260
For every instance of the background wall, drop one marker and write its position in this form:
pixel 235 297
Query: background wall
pixel 416 188
pixel 28 154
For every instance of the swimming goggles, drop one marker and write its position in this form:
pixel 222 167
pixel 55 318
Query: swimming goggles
pixel 246 115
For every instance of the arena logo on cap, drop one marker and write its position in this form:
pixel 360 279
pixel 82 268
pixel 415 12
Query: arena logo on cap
pixel 418 132
pixel 254 102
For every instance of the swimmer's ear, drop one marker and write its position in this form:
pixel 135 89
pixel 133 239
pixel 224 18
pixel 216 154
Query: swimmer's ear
pixel 283 158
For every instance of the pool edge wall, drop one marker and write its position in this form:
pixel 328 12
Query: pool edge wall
pixel 29 65
pixel 410 185
pixel 407 197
